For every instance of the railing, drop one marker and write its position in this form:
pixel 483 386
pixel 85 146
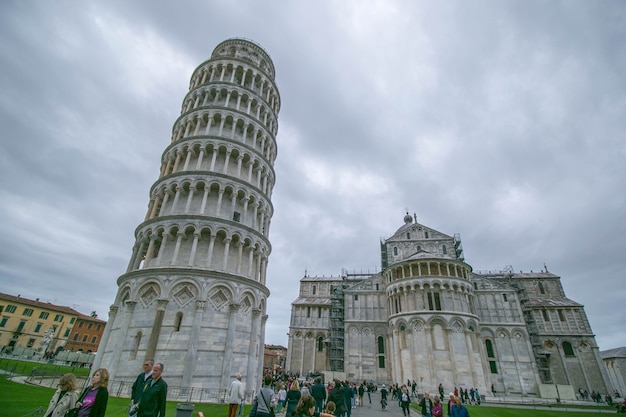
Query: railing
pixel 123 389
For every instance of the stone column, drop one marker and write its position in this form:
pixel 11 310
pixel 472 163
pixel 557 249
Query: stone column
pixel 194 246
pixel 156 328
pixel 148 258
pixel 230 344
pixel 191 356
pixel 161 249
pixel 251 370
pixel 226 250
pixel 200 157
pixel 177 247
pixel 192 190
pixel 122 333
pixel 166 197
pixel 209 254
pixel 204 198
pixel 105 336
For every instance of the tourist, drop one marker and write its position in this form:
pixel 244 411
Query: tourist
pixel 426 405
pixel 383 397
pixel 282 397
pixel 265 398
pixel 153 400
pixel 336 395
pixel 437 407
pixel 293 396
pixel 140 384
pixel 64 398
pixel 450 403
pixel 93 401
pixel 306 406
pixel 235 396
pixel 318 392
pixel 458 409
pixel 405 401
pixel 330 410
pixel 348 394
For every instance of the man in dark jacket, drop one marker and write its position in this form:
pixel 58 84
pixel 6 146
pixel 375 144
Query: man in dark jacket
pixel 140 384
pixel 318 391
pixel 154 398
pixel 348 395
pixel 336 395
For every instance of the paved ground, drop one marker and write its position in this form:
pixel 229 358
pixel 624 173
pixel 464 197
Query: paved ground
pixel 393 410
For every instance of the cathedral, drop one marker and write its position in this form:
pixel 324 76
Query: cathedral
pixel 429 317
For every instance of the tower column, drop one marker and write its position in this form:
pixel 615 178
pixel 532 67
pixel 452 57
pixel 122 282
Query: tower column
pixel 156 328
pixel 227 372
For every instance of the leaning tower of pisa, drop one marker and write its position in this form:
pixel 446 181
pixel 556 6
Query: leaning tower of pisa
pixel 194 294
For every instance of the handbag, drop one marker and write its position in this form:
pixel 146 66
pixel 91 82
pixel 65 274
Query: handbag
pixel 73 412
pixel 253 410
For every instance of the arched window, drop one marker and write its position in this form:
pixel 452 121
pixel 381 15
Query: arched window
pixel 489 346
pixel 314 289
pixel 179 321
pixel 402 337
pixel 133 353
pixel 568 349
pixel 381 352
pixel 444 249
pixel 395 251
pixel 493 366
pixel 408 235
pixel 320 344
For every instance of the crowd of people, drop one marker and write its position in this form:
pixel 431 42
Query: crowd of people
pixel 292 397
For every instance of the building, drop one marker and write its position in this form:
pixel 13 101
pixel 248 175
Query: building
pixel 194 295
pixel 615 363
pixel 274 358
pixel 86 334
pixel 429 317
pixel 36 327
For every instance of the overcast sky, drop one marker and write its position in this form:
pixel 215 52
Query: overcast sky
pixel 504 121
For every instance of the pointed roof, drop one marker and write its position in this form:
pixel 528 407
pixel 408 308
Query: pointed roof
pixel 619 352
pixel 409 223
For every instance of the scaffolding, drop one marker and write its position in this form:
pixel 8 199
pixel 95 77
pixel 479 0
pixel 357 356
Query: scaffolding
pixel 336 353
pixel 542 358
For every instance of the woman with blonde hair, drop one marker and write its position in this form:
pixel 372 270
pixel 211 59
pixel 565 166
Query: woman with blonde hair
pixel 93 401
pixel 64 398
pixel 293 397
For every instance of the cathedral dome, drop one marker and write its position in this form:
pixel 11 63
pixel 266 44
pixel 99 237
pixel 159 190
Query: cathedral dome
pixel 408 222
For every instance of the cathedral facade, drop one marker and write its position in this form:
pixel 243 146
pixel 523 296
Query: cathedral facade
pixel 429 317
pixel 194 295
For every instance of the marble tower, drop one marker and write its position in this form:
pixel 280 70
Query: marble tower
pixel 194 295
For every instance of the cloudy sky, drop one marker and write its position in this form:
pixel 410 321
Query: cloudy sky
pixel 504 121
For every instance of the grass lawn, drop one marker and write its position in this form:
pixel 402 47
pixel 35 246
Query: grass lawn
pixel 25 367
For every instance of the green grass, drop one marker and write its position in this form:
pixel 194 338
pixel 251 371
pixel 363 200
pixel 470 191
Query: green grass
pixel 25 367
pixel 17 400
pixel 556 411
